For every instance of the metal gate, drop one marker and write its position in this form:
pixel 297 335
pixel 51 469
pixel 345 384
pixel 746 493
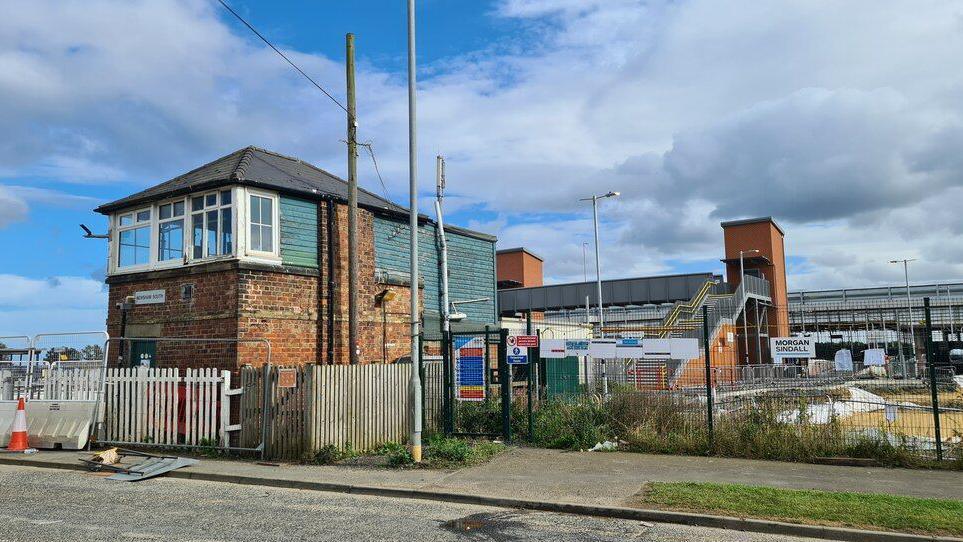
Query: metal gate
pixel 478 389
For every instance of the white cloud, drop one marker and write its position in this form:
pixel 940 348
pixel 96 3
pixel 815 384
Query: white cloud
pixel 56 304
pixel 12 207
pixel 844 120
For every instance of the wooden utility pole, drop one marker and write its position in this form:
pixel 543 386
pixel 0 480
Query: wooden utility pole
pixel 352 206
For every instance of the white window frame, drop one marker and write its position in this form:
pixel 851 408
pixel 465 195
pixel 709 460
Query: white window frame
pixel 273 256
pixel 155 242
pixel 154 263
pixel 149 224
pixel 220 234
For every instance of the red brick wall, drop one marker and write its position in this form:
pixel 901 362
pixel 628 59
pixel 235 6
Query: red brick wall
pixel 375 322
pixel 288 307
pixel 519 266
pixel 210 313
pixel 282 308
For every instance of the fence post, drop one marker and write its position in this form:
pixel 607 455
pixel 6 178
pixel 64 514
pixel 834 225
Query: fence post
pixel 707 347
pixel 531 368
pixel 446 388
pixel 505 379
pixel 931 363
pixel 266 418
pixel 420 366
pixel 225 403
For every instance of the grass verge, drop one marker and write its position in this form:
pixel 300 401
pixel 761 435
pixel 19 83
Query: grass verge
pixel 860 510
pixel 440 452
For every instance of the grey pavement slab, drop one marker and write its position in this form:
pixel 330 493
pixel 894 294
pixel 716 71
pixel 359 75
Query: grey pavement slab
pixel 594 478
pixel 40 504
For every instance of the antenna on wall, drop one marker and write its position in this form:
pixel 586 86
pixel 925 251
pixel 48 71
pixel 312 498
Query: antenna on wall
pixel 441 177
pixel 91 235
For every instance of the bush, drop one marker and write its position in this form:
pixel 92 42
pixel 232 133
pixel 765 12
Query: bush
pixel 569 425
pixel 328 455
pixel 447 452
pixel 396 455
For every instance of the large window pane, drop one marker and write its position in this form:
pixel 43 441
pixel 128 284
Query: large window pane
pixel 262 220
pixel 267 239
pixel 255 237
pixel 255 210
pixel 170 240
pixel 197 222
pixel 134 247
pixel 212 233
pixel 267 215
pixel 227 231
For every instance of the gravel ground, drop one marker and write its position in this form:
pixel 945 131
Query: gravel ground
pixel 44 504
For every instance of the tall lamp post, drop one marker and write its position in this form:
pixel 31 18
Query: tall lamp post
pixel 745 313
pixel 909 305
pixel 585 279
pixel 598 265
pixel 414 383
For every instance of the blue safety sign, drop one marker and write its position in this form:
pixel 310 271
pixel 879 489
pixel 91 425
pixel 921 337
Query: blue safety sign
pixel 517 355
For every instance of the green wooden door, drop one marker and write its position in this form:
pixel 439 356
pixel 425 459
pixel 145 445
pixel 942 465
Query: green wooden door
pixel 561 377
pixel 143 353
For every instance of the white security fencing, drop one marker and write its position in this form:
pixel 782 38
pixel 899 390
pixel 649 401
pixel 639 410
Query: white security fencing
pixel 168 407
pixel 61 377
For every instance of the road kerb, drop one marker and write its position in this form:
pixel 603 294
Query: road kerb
pixel 649 515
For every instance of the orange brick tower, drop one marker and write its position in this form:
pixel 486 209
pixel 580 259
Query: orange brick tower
pixel 761 242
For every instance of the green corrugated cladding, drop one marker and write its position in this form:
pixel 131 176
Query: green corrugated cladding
pixel 471 266
pixel 299 232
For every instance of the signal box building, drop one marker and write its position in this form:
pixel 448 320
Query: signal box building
pixel 254 246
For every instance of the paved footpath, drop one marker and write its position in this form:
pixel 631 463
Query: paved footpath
pixel 592 478
pixel 42 504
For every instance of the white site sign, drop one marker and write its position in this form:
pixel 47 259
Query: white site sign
pixel 792 347
pixel 148 297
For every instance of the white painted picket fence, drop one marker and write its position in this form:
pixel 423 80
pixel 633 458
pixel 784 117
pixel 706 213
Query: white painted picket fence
pixel 167 406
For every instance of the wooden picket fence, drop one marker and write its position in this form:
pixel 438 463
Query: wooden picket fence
pixel 166 406
pixel 357 406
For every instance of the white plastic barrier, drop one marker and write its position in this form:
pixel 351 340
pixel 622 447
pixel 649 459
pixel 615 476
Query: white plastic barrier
pixel 51 424
pixel 62 380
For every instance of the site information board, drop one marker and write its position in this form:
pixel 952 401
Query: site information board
pixel 469 368
pixel 792 347
pixel 553 348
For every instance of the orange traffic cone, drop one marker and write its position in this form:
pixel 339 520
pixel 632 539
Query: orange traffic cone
pixel 18 431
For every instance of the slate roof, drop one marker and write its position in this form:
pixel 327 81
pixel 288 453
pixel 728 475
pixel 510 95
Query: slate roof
pixel 256 167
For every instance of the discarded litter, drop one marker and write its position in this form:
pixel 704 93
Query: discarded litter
pixel 607 446
pixel 153 465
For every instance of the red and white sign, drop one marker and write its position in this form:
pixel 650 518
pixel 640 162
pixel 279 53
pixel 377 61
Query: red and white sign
pixel 524 341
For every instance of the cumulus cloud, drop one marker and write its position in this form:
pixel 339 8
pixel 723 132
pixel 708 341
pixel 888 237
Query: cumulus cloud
pixel 843 120
pixel 61 303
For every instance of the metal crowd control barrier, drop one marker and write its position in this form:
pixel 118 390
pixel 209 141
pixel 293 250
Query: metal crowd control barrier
pixel 61 375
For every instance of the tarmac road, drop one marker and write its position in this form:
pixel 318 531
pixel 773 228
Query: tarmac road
pixel 45 504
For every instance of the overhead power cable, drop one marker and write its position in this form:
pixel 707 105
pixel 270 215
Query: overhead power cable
pixel 367 145
pixel 278 51
pixel 374 161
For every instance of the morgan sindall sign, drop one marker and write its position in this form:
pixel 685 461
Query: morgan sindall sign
pixel 792 347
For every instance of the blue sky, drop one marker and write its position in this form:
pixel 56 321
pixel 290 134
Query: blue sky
pixel 847 133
